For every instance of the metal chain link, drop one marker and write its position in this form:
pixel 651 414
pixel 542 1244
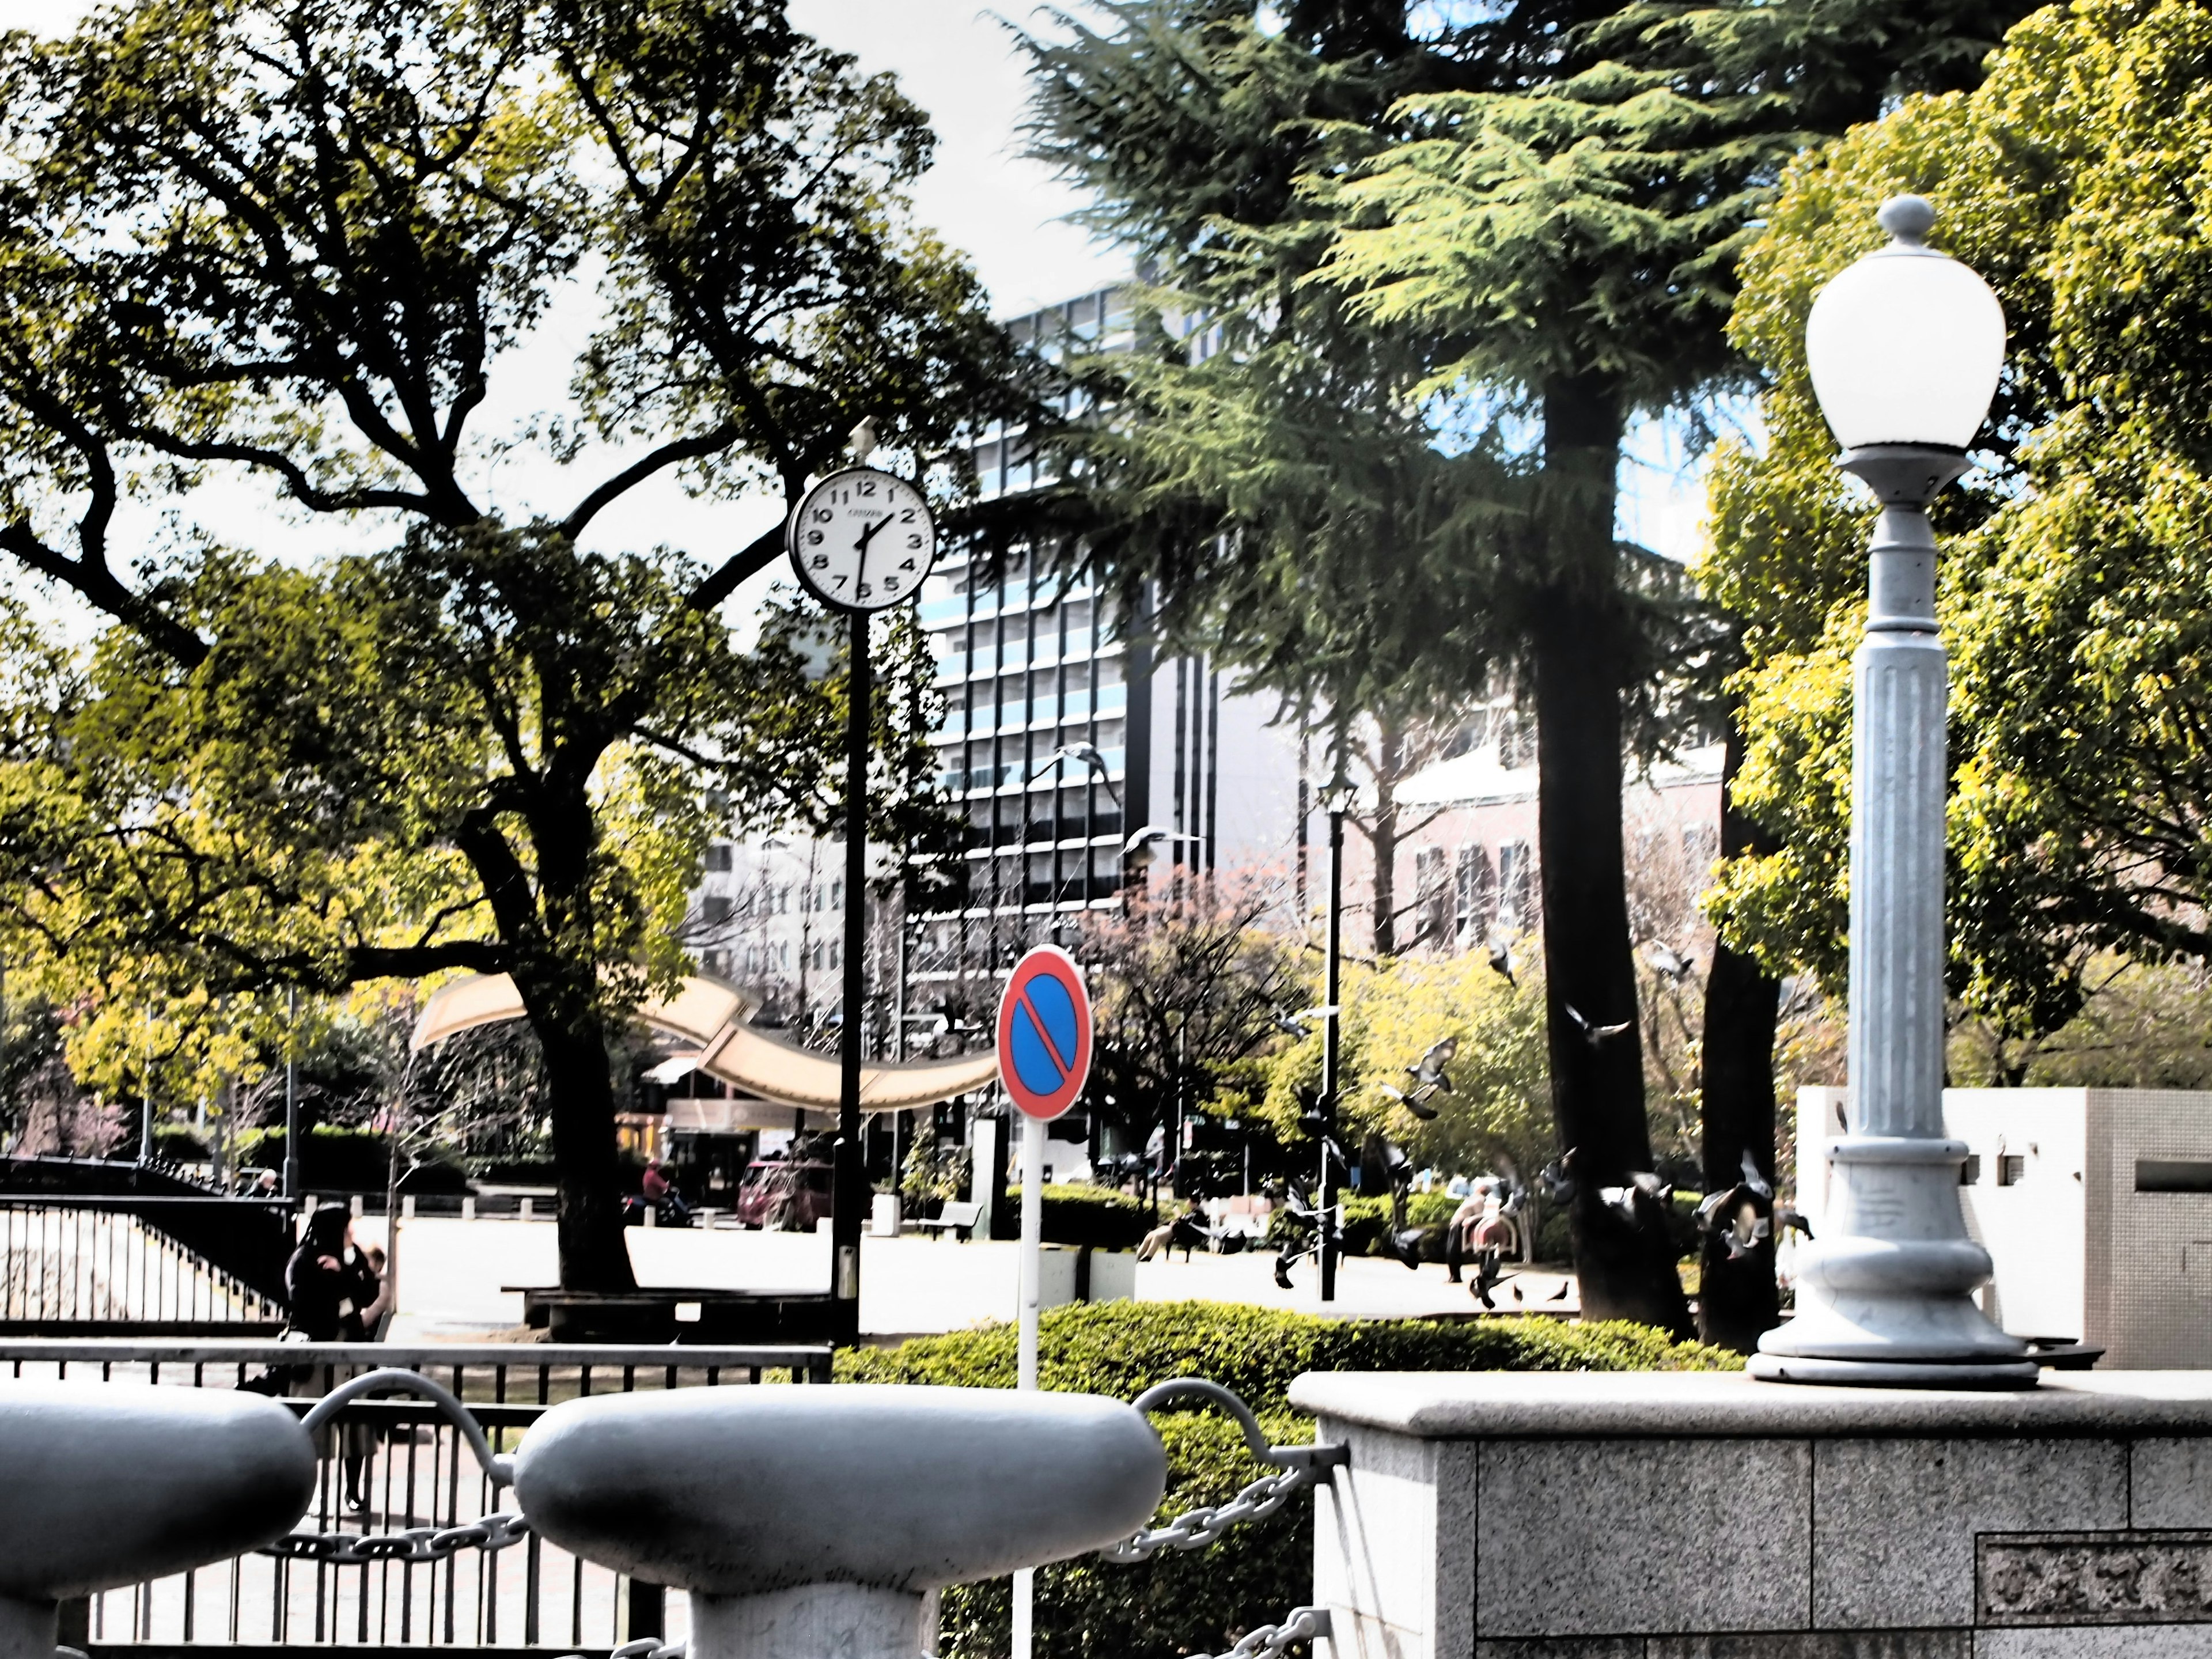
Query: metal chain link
pixel 1303 1625
pixel 491 1532
pixel 648 1647
pixel 1193 1530
pixel 1297 1468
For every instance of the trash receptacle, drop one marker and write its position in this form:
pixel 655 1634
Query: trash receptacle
pixel 884 1219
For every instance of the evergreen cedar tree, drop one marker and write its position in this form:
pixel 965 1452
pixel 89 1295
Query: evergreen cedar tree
pixel 2073 564
pixel 291 237
pixel 1527 209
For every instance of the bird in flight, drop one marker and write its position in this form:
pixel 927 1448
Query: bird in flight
pixel 1593 1035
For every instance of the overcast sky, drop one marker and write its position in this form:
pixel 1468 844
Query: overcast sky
pixel 957 60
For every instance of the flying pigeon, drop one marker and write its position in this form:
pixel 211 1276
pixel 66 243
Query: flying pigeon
pixel 1593 1035
pixel 1668 960
pixel 1501 959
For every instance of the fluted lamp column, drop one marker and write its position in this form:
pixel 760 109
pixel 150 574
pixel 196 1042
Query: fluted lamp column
pixel 1906 347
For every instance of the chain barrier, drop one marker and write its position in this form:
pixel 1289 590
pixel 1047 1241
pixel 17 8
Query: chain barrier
pixel 1305 1624
pixel 1299 1467
pixel 495 1531
pixel 488 1533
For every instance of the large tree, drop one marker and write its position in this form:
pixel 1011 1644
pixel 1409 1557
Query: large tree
pixel 2081 811
pixel 293 238
pixel 1497 234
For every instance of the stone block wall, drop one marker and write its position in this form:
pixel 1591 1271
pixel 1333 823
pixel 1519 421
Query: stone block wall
pixel 1716 1517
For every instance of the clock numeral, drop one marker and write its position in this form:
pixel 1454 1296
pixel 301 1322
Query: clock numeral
pixel 842 580
pixel 867 590
pixel 905 564
pixel 819 562
pixel 907 517
pixel 891 585
pixel 913 541
pixel 867 486
pixel 822 515
pixel 814 538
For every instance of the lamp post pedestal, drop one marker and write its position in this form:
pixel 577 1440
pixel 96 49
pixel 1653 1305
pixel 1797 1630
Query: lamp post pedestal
pixel 1886 1296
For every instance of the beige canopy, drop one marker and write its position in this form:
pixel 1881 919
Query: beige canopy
pixel 712 1015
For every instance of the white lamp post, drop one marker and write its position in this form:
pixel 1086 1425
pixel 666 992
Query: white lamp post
pixel 1905 347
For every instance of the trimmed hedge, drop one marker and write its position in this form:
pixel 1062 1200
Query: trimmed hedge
pixel 1200 1601
pixel 336 1160
pixel 1077 1214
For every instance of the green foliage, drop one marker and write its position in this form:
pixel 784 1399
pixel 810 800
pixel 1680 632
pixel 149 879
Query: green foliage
pixel 1500 1103
pixel 291 240
pixel 180 1145
pixel 1122 1348
pixel 343 1161
pixel 1179 1603
pixel 2073 179
pixel 1190 979
pixel 1077 1214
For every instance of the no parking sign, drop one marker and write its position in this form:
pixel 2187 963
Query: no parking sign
pixel 1044 1033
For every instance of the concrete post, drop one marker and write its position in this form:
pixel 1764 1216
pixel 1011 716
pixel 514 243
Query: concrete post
pixel 852 1621
pixel 28 1630
pixel 1886 1294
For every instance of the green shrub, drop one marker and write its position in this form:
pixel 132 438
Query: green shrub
pixel 334 1160
pixel 1199 1601
pixel 1077 1214
pixel 180 1145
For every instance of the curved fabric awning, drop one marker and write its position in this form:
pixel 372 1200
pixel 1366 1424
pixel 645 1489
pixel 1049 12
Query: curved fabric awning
pixel 712 1015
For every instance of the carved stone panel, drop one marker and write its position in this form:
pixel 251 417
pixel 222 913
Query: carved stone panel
pixel 2092 1579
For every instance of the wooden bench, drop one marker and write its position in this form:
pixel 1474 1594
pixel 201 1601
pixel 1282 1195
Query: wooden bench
pixel 958 1218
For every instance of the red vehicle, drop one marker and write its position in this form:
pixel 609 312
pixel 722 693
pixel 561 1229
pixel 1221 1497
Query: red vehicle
pixel 784 1196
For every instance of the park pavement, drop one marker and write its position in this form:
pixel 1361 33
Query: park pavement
pixel 454 1277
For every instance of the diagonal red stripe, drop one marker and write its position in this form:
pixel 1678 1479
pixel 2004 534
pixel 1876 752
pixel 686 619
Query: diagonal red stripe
pixel 1044 1032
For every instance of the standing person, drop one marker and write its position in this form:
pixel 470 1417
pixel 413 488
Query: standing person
pixel 336 1295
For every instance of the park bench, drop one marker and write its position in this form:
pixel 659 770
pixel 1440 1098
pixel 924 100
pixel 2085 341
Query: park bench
pixel 958 1218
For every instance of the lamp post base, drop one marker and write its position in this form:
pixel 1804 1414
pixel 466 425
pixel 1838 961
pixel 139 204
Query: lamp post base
pixel 1894 1373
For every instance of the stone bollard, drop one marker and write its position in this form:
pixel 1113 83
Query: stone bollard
pixel 111 1484
pixel 469 1207
pixel 813 1521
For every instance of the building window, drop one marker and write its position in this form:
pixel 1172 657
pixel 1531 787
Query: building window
pixel 1970 1172
pixel 1515 884
pixel 1477 895
pixel 715 909
pixel 1432 895
pixel 2011 1166
pixel 718 856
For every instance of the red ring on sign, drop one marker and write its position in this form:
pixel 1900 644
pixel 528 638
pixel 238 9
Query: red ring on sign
pixel 1036 1034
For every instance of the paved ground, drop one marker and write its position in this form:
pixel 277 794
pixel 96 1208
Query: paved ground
pixel 453 1273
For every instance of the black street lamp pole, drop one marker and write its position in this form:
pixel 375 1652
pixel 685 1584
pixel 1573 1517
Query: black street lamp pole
pixel 1337 799
pixel 850 1177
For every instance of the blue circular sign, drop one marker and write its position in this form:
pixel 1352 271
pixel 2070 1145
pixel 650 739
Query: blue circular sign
pixel 1044 1033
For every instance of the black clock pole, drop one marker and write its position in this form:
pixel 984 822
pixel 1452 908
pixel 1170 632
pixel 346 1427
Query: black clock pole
pixel 850 1190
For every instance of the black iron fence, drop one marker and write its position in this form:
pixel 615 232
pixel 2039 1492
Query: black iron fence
pixel 72 1263
pixel 387 1465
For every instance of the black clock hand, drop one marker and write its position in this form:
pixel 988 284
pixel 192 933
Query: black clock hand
pixel 861 570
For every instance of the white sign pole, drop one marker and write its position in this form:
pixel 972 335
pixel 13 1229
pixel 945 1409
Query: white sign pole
pixel 1033 1138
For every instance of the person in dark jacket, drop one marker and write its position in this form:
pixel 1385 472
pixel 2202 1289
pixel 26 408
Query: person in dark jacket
pixel 329 1281
pixel 333 1286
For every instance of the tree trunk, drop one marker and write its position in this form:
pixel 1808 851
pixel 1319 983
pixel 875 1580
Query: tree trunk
pixel 594 1252
pixel 1383 837
pixel 1577 653
pixel 1736 1297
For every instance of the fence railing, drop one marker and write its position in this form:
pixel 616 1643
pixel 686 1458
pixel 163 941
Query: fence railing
pixel 142 1265
pixel 387 1465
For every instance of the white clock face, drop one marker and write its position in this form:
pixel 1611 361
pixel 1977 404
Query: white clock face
pixel 862 540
